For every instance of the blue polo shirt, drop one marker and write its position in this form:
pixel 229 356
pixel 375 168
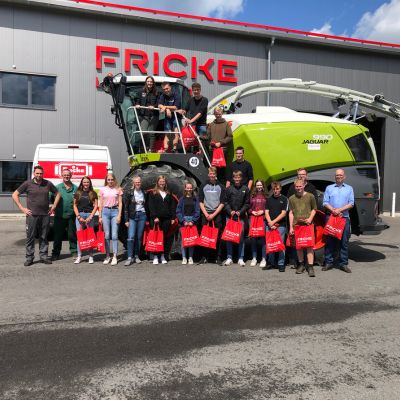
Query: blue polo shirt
pixel 338 196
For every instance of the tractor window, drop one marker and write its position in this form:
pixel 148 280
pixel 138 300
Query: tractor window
pixel 360 148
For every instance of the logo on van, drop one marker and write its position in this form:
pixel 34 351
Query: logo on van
pixel 79 170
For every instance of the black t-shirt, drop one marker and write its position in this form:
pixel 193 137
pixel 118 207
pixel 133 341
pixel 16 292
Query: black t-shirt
pixel 84 204
pixel 246 169
pixel 188 206
pixel 275 205
pixel 195 106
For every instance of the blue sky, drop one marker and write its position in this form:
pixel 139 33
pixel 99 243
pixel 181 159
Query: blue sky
pixel 364 19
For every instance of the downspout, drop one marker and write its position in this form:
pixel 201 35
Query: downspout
pixel 269 62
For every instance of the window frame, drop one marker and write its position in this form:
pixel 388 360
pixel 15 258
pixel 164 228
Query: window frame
pixel 29 174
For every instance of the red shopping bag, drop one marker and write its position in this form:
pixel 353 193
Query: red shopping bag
pixel 257 228
pixel 232 231
pixel 273 241
pixel 335 227
pixel 209 236
pixel 188 137
pixel 155 240
pixel 86 239
pixel 145 233
pixel 101 241
pixel 304 235
pixel 290 241
pixel 218 158
pixel 189 235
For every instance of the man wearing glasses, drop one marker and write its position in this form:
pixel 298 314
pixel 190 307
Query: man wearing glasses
pixel 37 213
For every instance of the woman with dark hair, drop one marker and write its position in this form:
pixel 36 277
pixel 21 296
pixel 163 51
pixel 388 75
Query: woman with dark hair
pixel 85 207
pixel 258 201
pixel 162 211
pixel 188 213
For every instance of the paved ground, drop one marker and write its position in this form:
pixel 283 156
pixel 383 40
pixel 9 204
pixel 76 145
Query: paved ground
pixel 173 332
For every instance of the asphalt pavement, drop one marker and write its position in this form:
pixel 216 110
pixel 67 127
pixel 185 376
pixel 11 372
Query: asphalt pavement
pixel 199 332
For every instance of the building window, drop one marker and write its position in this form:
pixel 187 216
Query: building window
pixel 27 91
pixel 13 173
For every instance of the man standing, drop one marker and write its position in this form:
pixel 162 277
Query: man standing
pixel 338 200
pixel 64 218
pixel 196 110
pixel 302 206
pixel 37 213
pixel 242 165
pixel 309 187
pixel 212 201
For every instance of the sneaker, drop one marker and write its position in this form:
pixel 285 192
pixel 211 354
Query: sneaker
pixel 128 262
pixel 219 261
pixel 190 261
pixel 346 269
pixel 228 262
pixel 77 260
pixel 263 263
pixel 241 262
pixel 203 261
pixel 281 268
pixel 184 261
pixel 28 263
pixel 91 260
pixel 327 267
pixel 163 260
pixel 55 257
pixel 155 260
pixel 253 262
pixel 138 260
pixel 46 261
pixel 114 260
pixel 107 260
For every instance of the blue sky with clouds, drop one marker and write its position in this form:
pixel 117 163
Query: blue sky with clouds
pixel 364 19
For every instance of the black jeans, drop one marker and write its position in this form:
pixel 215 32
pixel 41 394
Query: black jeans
pixel 37 224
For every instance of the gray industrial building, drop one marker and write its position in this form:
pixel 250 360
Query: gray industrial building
pixel 52 52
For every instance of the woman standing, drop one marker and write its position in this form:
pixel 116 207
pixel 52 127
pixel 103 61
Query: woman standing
pixel 110 209
pixel 258 201
pixel 188 213
pixel 85 207
pixel 135 217
pixel 162 211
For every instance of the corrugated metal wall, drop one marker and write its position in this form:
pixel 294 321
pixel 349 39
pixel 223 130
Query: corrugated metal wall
pixel 45 41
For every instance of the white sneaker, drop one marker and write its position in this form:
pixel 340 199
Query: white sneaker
pixel 228 262
pixel 128 262
pixel 106 260
pixel 263 263
pixel 163 260
pixel 241 262
pixel 190 262
pixel 253 262
pixel 91 260
pixel 77 260
pixel 155 260
pixel 114 261
pixel 184 261
pixel 138 260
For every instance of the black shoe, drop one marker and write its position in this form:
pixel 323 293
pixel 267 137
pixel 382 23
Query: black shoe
pixel 281 269
pixel 327 267
pixel 219 261
pixel 55 257
pixel 46 261
pixel 203 261
pixel 346 269
pixel 28 263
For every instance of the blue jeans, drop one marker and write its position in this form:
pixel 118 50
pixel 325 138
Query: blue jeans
pixel 110 227
pixel 229 245
pixel 84 215
pixel 169 124
pixel 255 243
pixel 331 243
pixel 135 233
pixel 201 130
pixel 187 252
pixel 278 258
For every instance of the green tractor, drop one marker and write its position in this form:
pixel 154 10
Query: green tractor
pixel 277 141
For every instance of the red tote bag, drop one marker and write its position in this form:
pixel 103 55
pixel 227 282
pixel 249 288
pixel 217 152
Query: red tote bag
pixel 257 228
pixel 155 240
pixel 86 239
pixel 335 227
pixel 101 241
pixel 304 235
pixel 290 241
pixel 190 236
pixel 273 241
pixel 209 236
pixel 232 231
pixel 218 158
pixel 188 137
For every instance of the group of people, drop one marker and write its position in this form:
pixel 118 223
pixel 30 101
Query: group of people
pixel 239 199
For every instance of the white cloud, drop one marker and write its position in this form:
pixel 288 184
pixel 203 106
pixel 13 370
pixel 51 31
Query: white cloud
pixel 326 29
pixel 381 25
pixel 207 8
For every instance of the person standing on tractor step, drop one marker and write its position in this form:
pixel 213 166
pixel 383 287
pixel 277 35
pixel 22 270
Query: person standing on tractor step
pixel 302 206
pixel 110 212
pixel 37 213
pixel 242 165
pixel 64 218
pixel 212 201
pixel 196 110
pixel 162 211
pixel 169 102
pixel 237 204
pixel 338 200
pixel 134 200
